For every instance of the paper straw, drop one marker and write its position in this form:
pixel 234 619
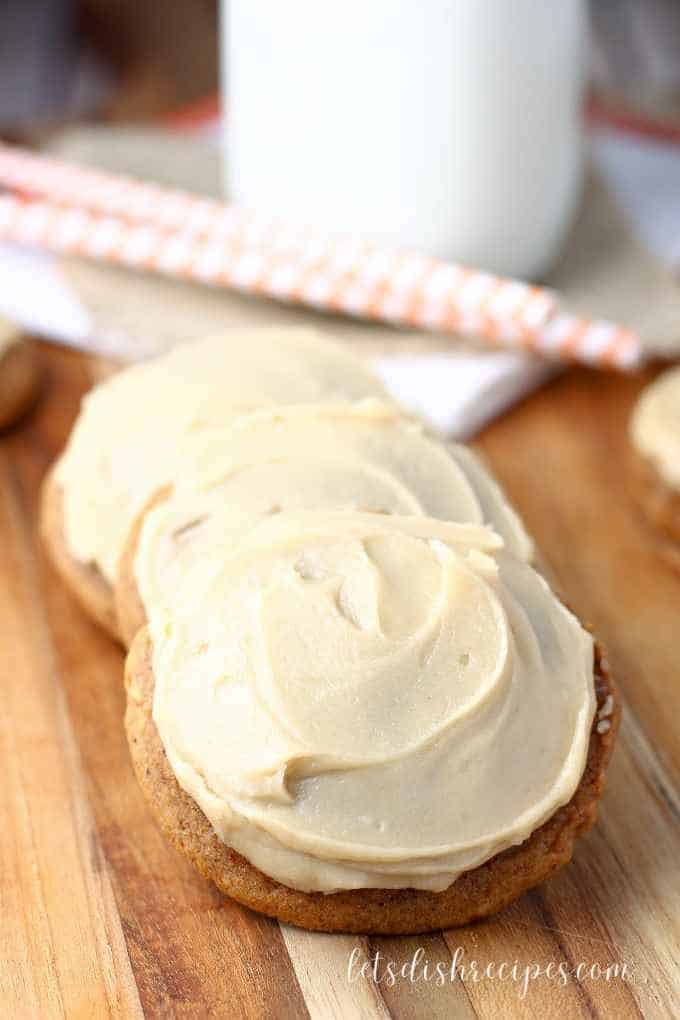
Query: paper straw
pixel 136 224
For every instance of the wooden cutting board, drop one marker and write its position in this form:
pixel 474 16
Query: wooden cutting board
pixel 101 918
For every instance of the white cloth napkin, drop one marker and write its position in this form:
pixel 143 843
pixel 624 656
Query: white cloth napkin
pixel 460 393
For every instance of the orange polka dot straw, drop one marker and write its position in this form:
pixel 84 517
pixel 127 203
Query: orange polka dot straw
pixel 63 207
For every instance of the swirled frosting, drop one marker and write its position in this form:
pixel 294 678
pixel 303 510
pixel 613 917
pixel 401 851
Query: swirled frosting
pixel 362 456
pixel 367 700
pixel 126 441
pixel 655 426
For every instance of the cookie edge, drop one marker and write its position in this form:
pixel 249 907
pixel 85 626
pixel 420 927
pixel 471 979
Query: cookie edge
pixel 659 504
pixel 87 585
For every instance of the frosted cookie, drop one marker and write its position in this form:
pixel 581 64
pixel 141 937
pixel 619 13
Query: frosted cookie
pixel 655 438
pixel 128 437
pixel 311 457
pixel 19 374
pixel 369 723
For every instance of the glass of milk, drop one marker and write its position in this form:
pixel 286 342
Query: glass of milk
pixel 449 127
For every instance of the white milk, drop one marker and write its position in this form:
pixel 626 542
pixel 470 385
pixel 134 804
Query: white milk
pixel 447 126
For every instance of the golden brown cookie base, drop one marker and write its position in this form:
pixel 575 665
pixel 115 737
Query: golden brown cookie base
pixel 473 895
pixel 660 504
pixel 129 606
pixel 20 379
pixel 90 589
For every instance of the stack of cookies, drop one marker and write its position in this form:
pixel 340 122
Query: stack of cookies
pixel 353 702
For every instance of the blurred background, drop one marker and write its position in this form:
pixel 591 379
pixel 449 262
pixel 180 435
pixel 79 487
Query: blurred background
pixel 142 61
pixel 143 58
pixel 463 142
pixel 135 59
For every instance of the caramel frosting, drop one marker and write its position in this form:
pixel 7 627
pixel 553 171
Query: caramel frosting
pixel 361 456
pixel 369 700
pixel 127 439
pixel 655 426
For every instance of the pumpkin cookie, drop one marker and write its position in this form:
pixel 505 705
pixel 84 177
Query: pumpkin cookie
pixel 376 722
pixel 129 437
pixel 474 895
pixel 319 456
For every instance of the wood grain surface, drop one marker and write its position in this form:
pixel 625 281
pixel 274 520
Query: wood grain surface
pixel 101 918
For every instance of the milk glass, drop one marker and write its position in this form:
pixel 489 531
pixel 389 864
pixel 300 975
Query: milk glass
pixel 450 127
